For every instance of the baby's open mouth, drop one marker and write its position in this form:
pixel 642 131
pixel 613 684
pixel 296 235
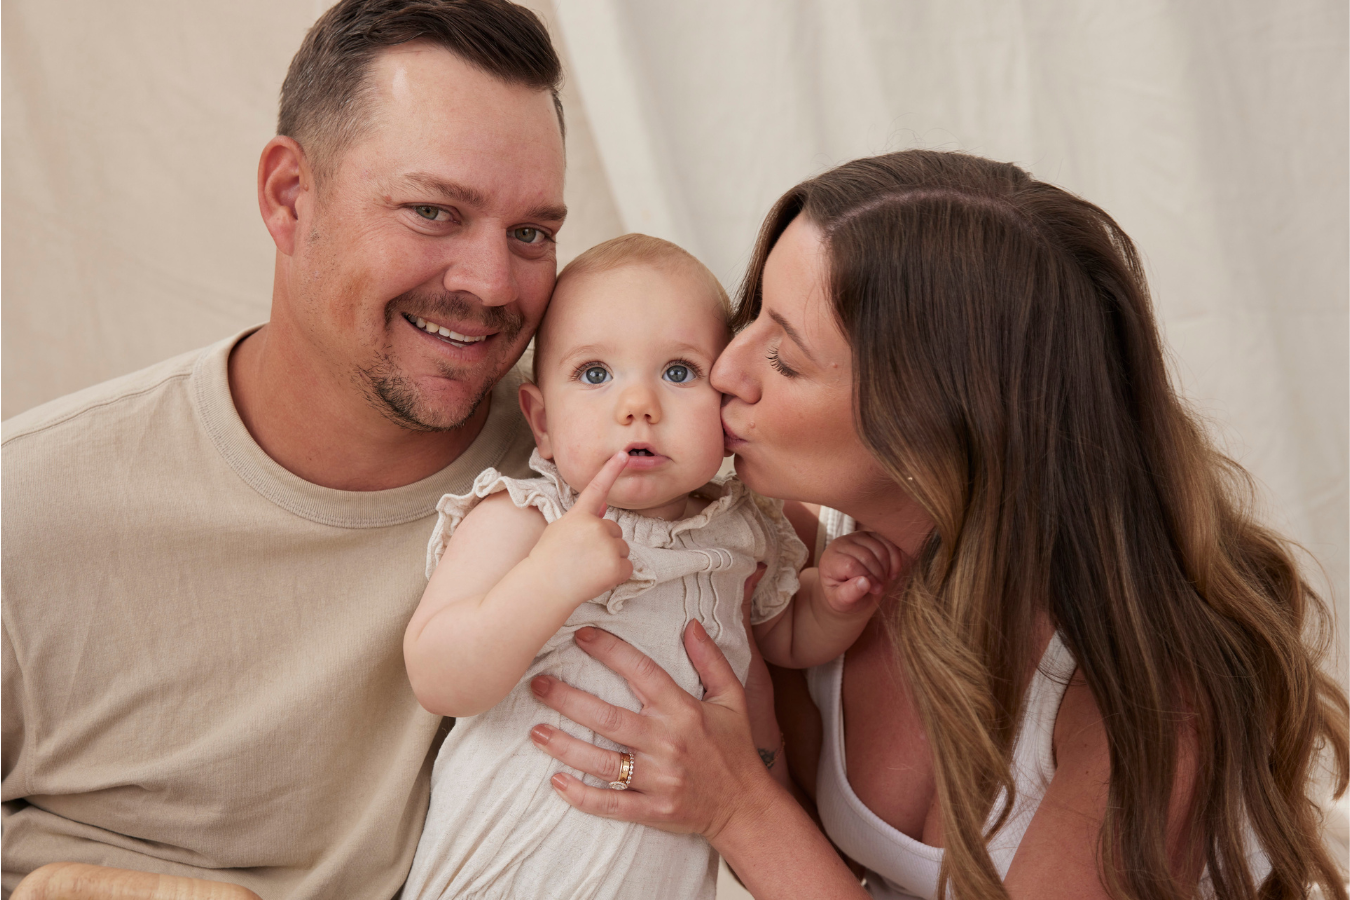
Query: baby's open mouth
pixel 640 451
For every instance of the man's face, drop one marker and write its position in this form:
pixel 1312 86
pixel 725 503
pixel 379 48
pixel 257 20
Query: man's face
pixel 424 260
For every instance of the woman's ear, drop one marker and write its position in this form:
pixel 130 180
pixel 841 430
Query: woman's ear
pixel 532 405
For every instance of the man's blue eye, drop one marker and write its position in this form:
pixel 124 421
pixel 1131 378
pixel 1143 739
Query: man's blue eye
pixel 595 375
pixel 679 374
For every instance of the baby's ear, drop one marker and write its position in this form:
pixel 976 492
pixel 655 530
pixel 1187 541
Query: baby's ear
pixel 532 405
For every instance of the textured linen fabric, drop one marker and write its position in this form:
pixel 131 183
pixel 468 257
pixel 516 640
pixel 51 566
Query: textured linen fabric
pixel 203 669
pixel 496 829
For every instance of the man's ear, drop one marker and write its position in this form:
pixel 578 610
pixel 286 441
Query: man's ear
pixel 532 405
pixel 284 176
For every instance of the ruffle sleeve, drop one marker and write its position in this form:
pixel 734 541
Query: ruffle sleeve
pixel 541 493
pixel 784 556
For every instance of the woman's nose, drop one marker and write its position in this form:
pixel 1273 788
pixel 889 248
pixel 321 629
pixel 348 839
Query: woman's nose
pixel 732 374
pixel 638 403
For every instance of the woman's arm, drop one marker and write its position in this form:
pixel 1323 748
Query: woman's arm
pixel 696 769
pixel 1058 857
pixel 505 584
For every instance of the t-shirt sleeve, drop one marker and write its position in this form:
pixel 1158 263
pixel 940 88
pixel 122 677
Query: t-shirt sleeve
pixel 784 556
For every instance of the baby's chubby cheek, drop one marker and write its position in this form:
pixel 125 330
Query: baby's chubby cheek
pixel 579 460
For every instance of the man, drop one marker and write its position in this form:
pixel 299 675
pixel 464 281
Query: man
pixel 208 565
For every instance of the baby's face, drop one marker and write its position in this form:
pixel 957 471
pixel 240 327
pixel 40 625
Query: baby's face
pixel 626 368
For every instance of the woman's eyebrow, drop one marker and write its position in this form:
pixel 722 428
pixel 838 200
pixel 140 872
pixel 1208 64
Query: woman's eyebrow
pixel 792 333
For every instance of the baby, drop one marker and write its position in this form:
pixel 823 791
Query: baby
pixel 621 406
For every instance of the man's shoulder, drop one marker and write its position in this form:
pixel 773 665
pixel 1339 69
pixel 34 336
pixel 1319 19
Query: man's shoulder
pixel 102 405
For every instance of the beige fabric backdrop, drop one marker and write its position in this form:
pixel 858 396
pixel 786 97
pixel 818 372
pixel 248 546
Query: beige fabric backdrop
pixel 1216 132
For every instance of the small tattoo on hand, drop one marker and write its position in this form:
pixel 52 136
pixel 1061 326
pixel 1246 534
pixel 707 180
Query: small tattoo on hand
pixel 768 757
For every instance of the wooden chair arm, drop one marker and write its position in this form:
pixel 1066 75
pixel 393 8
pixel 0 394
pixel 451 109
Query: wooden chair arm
pixel 79 881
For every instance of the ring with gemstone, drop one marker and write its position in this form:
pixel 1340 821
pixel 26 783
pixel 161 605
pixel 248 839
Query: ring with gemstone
pixel 626 767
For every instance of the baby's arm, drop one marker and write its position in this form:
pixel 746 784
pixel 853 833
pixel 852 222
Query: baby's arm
pixel 833 603
pixel 505 584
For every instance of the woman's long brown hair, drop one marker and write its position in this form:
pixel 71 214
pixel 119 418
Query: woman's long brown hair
pixel 1007 360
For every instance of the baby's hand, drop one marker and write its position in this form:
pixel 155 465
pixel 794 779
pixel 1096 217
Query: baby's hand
pixel 856 569
pixel 584 553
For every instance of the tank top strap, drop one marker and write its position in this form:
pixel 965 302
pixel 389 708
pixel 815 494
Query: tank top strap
pixel 1033 757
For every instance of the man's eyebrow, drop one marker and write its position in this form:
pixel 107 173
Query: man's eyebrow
pixel 462 193
pixel 792 333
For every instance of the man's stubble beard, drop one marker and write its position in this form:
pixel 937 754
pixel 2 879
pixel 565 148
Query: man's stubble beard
pixel 396 396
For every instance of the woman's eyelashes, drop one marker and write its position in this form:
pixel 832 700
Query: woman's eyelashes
pixel 778 364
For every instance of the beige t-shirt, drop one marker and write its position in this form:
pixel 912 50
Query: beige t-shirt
pixel 203 666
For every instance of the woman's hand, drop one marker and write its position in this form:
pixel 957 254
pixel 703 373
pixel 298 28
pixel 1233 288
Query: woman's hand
pixel 695 764
pixel 696 769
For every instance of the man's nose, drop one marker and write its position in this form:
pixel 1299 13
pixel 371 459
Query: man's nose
pixel 638 403
pixel 732 375
pixel 479 263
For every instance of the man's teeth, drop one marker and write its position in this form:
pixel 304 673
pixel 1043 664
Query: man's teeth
pixel 433 328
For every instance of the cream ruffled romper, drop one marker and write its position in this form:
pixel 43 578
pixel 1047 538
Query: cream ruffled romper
pixel 495 827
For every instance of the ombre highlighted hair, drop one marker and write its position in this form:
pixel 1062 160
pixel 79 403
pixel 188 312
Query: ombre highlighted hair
pixel 1007 360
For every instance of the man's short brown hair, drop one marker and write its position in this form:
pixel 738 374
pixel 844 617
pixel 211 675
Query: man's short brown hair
pixel 324 96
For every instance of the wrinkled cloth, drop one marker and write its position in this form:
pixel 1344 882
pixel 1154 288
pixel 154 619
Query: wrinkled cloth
pixel 496 828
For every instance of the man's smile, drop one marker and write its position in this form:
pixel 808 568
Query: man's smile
pixel 449 335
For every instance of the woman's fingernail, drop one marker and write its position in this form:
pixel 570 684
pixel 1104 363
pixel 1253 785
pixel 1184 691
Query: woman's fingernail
pixel 541 685
pixel 700 633
pixel 586 634
pixel 559 782
pixel 540 734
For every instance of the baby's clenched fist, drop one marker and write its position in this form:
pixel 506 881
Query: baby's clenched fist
pixel 856 570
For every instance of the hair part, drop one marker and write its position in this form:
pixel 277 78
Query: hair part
pixel 1010 375
pixel 635 249
pixel 326 95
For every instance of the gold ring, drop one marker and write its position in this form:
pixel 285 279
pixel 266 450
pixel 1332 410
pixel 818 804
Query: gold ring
pixel 626 767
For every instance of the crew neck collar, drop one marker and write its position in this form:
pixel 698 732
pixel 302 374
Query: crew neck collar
pixel 330 506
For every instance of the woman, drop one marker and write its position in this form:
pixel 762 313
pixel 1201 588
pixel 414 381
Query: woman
pixel 1093 679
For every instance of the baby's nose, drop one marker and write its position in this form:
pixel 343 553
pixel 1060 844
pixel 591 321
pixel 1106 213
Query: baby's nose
pixel 637 403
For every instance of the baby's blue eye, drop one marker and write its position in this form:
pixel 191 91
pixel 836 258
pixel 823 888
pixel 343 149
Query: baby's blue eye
pixel 595 375
pixel 680 374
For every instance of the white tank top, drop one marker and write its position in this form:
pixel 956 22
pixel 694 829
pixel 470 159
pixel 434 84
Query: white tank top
pixel 898 866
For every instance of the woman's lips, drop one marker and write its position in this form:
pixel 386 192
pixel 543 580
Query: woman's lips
pixel 730 439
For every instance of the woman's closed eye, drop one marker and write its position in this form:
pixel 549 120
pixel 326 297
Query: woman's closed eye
pixel 778 364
